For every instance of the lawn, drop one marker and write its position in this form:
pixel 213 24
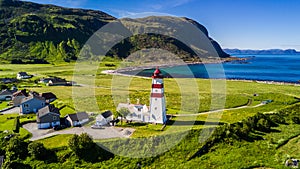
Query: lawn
pixel 100 92
pixel 3 104
pixel 58 141
pixel 7 122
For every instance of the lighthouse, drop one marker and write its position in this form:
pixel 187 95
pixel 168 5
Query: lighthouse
pixel 157 99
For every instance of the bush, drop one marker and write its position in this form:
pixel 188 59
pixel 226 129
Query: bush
pixel 296 120
pixel 277 118
pixel 16 149
pixel 37 151
pixel 263 125
pixel 84 147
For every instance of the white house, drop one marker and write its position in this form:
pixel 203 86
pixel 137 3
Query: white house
pixel 23 75
pixel 104 118
pixel 138 112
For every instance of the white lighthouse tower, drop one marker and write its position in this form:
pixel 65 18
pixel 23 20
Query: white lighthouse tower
pixel 157 99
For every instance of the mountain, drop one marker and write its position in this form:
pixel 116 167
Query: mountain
pixel 262 52
pixel 35 33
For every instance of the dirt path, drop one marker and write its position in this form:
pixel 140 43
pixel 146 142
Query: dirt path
pixel 215 111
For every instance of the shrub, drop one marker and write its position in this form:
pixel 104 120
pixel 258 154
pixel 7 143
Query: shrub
pixel 296 120
pixel 263 125
pixel 37 151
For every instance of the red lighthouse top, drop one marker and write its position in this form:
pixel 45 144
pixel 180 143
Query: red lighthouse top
pixel 157 73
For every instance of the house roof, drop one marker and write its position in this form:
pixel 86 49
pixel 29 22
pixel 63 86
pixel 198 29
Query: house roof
pixel 5 92
pixel 17 100
pixel 33 93
pixel 20 93
pixel 106 114
pixel 23 74
pixel 58 80
pixel 8 80
pixel 50 109
pixel 130 106
pixel 26 99
pixel 47 109
pixel 78 116
pixel 48 95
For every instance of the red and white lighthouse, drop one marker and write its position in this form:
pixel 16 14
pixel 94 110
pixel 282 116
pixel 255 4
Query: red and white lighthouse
pixel 157 99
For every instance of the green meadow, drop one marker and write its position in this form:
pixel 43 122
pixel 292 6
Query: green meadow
pixel 107 91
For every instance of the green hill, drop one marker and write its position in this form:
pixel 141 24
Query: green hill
pixel 35 33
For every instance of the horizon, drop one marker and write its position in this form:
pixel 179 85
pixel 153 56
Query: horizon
pixel 246 24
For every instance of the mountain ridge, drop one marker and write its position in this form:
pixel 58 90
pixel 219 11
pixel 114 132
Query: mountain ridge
pixel 262 52
pixel 37 33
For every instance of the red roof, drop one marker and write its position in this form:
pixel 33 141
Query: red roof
pixel 157 73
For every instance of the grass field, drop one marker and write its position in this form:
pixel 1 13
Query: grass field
pixel 58 141
pixel 99 92
pixel 101 96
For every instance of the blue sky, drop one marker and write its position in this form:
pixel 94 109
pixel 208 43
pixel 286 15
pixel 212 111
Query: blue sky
pixel 244 24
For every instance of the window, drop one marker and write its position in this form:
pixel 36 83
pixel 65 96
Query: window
pixel 155 99
pixel 155 108
pixel 54 118
pixel 26 105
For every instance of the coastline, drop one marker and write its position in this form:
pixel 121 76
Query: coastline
pixel 209 61
pixel 116 72
pixel 121 71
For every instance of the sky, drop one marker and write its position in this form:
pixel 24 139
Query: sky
pixel 242 24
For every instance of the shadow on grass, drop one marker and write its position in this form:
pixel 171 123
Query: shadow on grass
pixel 197 122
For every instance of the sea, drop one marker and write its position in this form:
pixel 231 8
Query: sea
pixel 273 68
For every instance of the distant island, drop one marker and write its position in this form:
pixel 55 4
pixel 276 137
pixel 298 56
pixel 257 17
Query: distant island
pixel 262 52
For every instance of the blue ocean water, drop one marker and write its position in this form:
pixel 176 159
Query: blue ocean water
pixel 279 68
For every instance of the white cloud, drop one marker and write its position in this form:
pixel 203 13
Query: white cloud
pixel 177 3
pixel 168 4
pixel 122 13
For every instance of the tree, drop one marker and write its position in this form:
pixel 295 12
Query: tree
pixel 84 147
pixel 37 151
pixel 123 112
pixel 74 144
pixel 296 120
pixel 263 125
pixel 16 149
